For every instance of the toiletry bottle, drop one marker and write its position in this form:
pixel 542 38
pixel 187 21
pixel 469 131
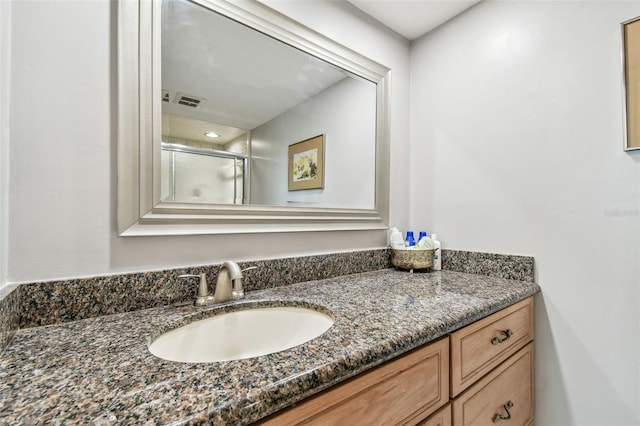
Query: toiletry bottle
pixel 395 239
pixel 422 234
pixel 425 243
pixel 409 240
pixel 437 254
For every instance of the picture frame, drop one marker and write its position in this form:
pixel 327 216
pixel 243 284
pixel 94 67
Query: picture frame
pixel 631 78
pixel 306 164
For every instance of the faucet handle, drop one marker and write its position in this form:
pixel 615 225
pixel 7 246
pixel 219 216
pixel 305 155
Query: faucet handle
pixel 203 287
pixel 238 289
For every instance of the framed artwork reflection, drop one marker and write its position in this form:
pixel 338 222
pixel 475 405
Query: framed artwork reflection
pixel 631 68
pixel 306 164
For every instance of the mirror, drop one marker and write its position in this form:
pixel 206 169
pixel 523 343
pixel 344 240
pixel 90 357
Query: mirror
pixel 213 95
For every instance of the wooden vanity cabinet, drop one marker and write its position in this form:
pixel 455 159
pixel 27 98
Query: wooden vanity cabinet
pixel 492 369
pixel 442 417
pixel 480 347
pixel 480 375
pixel 504 396
pixel 404 391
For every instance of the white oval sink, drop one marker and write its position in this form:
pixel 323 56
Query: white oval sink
pixel 241 334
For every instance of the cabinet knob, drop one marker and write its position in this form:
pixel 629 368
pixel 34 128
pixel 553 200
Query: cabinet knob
pixel 506 408
pixel 506 334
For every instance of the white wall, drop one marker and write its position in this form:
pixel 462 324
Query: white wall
pixel 348 129
pixel 516 147
pixel 5 54
pixel 63 172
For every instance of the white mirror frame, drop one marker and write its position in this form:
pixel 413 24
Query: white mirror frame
pixel 140 209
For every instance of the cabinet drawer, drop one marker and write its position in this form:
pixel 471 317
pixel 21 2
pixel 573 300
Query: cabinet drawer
pixel 481 346
pixel 503 396
pixel 402 391
pixel 442 417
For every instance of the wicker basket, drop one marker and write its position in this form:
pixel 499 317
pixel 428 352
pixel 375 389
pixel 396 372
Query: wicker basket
pixel 412 259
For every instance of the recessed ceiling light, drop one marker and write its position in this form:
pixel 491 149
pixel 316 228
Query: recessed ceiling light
pixel 212 135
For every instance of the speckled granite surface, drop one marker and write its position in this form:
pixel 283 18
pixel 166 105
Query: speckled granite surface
pixel 99 371
pixel 9 314
pixel 53 302
pixel 494 265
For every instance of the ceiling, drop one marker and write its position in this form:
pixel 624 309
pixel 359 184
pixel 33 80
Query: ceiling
pixel 413 18
pixel 242 84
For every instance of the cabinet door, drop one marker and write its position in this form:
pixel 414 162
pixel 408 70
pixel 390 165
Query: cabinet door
pixel 403 391
pixel 442 417
pixel 504 396
pixel 478 348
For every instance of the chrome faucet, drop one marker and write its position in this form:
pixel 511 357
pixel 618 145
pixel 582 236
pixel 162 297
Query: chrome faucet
pixel 228 285
pixel 203 298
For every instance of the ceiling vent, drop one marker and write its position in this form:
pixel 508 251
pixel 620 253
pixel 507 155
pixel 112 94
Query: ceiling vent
pixel 165 95
pixel 188 100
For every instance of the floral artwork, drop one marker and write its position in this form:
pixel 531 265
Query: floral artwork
pixel 306 164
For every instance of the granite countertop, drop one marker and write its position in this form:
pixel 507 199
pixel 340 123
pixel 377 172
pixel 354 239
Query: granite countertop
pixel 99 370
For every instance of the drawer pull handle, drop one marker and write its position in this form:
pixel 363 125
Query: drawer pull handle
pixel 506 334
pixel 506 408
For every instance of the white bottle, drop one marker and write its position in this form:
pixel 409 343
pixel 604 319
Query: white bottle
pixel 395 239
pixel 437 255
pixel 425 243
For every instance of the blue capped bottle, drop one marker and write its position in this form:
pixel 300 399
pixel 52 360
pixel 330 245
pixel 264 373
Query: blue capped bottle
pixel 410 240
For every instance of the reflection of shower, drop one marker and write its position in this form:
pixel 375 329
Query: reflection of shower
pixel 201 175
